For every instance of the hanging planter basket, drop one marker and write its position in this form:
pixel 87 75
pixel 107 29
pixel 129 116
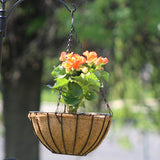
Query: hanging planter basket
pixel 72 134
pixel 78 78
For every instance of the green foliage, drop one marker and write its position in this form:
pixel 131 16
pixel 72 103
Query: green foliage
pixel 73 94
pixel 58 71
pixel 77 88
pixel 105 75
pixel 79 77
pixel 88 82
pixel 34 25
pixel 90 95
pixel 60 83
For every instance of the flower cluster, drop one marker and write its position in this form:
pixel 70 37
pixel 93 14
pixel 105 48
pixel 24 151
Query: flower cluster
pixel 75 61
pixel 71 60
pixel 79 77
pixel 92 58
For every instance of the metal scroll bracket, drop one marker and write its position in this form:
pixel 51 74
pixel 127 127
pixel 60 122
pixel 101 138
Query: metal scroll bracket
pixel 3 22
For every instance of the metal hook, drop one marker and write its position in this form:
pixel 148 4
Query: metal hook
pixel 14 6
pixel 70 10
pixel 4 17
pixel 3 22
pixel 75 7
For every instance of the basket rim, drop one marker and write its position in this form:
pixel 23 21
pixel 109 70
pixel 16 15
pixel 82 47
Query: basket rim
pixel 79 113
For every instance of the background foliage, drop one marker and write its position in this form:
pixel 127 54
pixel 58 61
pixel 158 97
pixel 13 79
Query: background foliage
pixel 128 33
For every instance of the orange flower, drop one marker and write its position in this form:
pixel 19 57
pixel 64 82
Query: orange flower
pixel 69 55
pixel 73 61
pixel 79 59
pixel 63 56
pixel 68 64
pixel 101 61
pixel 91 56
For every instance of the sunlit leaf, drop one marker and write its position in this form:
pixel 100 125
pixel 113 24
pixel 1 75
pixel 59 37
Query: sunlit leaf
pixel 60 82
pixel 59 71
pixel 89 81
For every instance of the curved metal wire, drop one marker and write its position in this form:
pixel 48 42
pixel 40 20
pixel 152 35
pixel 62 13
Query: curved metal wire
pixel 68 7
pixel 3 22
pixel 72 31
pixel 59 97
pixel 14 6
pixel 4 17
pixel 106 103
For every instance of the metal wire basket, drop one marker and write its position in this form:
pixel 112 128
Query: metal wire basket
pixel 72 134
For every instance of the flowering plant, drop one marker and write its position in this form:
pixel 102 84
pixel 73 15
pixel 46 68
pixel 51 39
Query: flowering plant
pixel 79 78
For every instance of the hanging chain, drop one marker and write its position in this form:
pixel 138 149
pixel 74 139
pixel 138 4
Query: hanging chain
pixel 105 101
pixel 69 43
pixel 59 97
pixel 72 31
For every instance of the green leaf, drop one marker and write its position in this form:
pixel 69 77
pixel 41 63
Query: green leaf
pixel 49 86
pixel 70 99
pixel 90 95
pixel 102 75
pixel 98 74
pixel 73 95
pixel 58 72
pixel 83 104
pixel 60 82
pixel 75 89
pixel 88 81
pixel 105 75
